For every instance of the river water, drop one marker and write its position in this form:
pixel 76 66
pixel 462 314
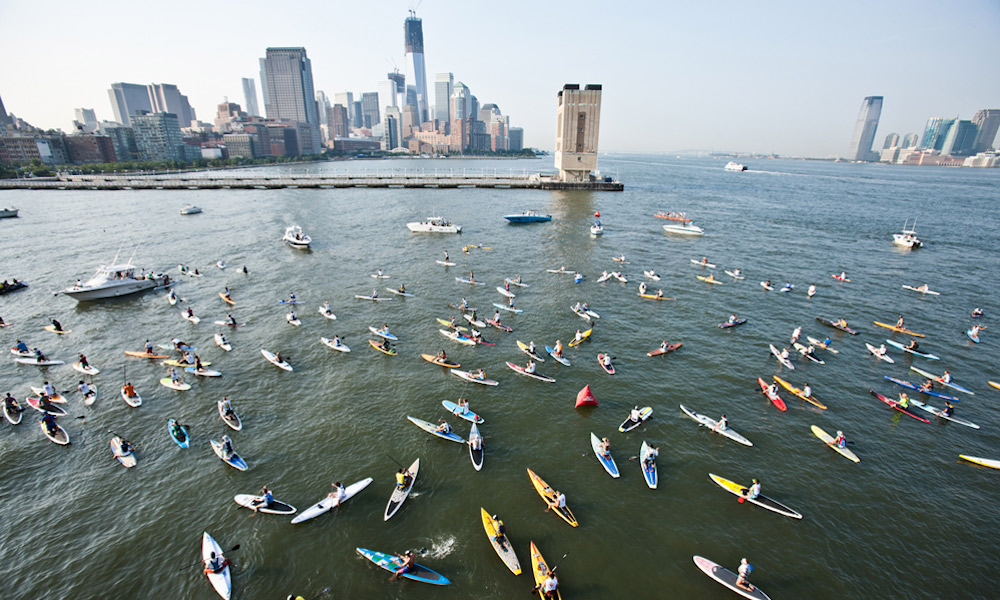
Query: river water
pixel 910 520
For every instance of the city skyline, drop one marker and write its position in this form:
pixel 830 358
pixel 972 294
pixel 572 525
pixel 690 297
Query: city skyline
pixel 750 79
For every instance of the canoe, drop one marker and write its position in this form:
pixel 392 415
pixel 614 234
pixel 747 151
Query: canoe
pixel 819 344
pixel 708 279
pixel 896 405
pixel 828 440
pixel 475 454
pixel 502 546
pixel 702 264
pixel 59 437
pixel 521 371
pixel 399 293
pixel 608 368
pixel 277 507
pixel 222 343
pixel 203 372
pixel 384 334
pixel 127 459
pixel 830 323
pixel 468 281
pixel 986 462
pixel 798 392
pixel 12 413
pixel 727 578
pixel 273 359
pixel 777 355
pixel 939 413
pixel 508 308
pixel 431 428
pixel 470 377
pixel 606 461
pixel 233 461
pixel 670 348
pixel 457 337
pixel 391 562
pixel 805 353
pixel 133 401
pixel 907 384
pixel 399 494
pixel 898 329
pixel 233 420
pixel 951 384
pixel 180 386
pixel 38 363
pixel 433 359
pixel 551 351
pixel 735 323
pixel 584 335
pixel 328 314
pixel 917 289
pixel 628 424
pixel 648 473
pixel 461 412
pixel 549 496
pixel 220 581
pixel 185 440
pixel 378 346
pixel 874 352
pixel 712 426
pixel 328 503
pixel 540 568
pixel 52 409
pixel 774 398
pixel 761 500
pixel 926 355
pixel 145 355
pixel 228 301
pixel 53 329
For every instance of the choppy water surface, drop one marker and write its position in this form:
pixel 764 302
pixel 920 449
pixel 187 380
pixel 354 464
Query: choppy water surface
pixel 911 520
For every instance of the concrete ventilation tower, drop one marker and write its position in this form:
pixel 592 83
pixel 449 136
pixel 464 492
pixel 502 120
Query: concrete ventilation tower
pixel 578 120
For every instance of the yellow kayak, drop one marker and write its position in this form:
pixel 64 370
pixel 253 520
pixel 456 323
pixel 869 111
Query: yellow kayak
pixel 378 346
pixel 441 363
pixel 828 439
pixel 655 297
pixel 227 299
pixel 583 336
pixel 549 495
pixel 539 568
pixel 504 550
pixel 708 279
pixel 798 392
pixel 899 329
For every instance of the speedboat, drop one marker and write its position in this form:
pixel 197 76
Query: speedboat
pixel 528 216
pixel 679 224
pixel 114 281
pixel 434 225
pixel 295 238
pixel 907 239
pixel 596 228
pixel 7 213
pixel 190 209
pixel 735 166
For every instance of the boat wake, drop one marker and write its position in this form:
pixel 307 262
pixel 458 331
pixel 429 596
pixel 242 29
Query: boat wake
pixel 442 548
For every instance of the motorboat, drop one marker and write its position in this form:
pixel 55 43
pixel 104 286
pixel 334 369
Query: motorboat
pixel 528 216
pixel 596 228
pixel 434 225
pixel 735 166
pixel 908 238
pixel 8 213
pixel 114 281
pixel 190 209
pixel 679 223
pixel 295 238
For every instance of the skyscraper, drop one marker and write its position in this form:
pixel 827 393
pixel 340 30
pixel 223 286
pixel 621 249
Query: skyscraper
pixel 911 140
pixel 322 105
pixel 127 99
pixel 864 130
pixel 386 91
pixel 416 73
pixel 287 82
pixel 935 132
pixel 158 136
pixel 250 97
pixel 345 99
pixel 369 109
pixel 961 139
pixel 166 98
pixel 87 119
pixel 578 120
pixel 891 140
pixel 987 119
pixel 443 87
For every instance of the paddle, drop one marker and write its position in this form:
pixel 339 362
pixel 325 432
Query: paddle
pixel 322 592
pixel 395 461
pixel 552 570
pixel 201 561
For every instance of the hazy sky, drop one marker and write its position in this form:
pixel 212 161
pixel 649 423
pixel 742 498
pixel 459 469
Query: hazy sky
pixel 785 77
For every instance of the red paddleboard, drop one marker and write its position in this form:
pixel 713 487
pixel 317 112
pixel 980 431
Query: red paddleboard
pixel 775 398
pixel 585 397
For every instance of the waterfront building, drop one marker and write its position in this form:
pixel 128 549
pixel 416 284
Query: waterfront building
pixel 416 72
pixel 287 82
pixel 443 88
pixel 515 139
pixel 891 140
pixel 369 109
pixel 864 129
pixel 122 140
pixel 158 136
pixel 86 119
pixel 166 98
pixel 241 145
pixel 578 120
pixel 935 132
pixel 961 139
pixel 988 121
pixel 90 148
pixel 250 97
pixel 911 140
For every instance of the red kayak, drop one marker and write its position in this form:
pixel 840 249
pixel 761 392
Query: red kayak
pixel 896 405
pixel 773 397
pixel 669 348
pixel 609 368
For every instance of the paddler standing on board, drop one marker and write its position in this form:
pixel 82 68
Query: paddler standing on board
pixel 899 322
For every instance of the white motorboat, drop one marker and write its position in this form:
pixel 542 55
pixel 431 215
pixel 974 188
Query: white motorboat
pixel 7 213
pixel 190 209
pixel 434 225
pixel 908 238
pixel 735 166
pixel 679 224
pixel 114 281
pixel 295 238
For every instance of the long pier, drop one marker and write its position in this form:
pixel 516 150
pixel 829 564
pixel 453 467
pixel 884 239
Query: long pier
pixel 237 181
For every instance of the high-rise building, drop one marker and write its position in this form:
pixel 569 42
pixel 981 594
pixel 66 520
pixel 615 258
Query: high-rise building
pixel 87 119
pixel 369 109
pixel 400 81
pixel 250 97
pixel 864 130
pixel 391 138
pixel 123 141
pixel 357 116
pixel 287 82
pixel 166 98
pixel 443 87
pixel 891 140
pixel 911 140
pixel 988 121
pixel 461 102
pixel 127 99
pixel 578 120
pixel 345 99
pixel 935 132
pixel 961 139
pixel 386 91
pixel 515 139
pixel 416 73
pixel 158 136
pixel 322 104
pixel 339 121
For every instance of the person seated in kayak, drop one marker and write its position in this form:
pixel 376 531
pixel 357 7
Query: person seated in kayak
pixel 926 386
pixel 604 448
pixel 784 353
pixel 788 285
pixel 606 360
pixel 227 447
pixel 531 347
pixel 129 390
pixel 635 416
pixel 945 378
pixel 530 367
pixel 899 322
pixel 57 325
pixel 177 431
pixel 840 441
pixel 339 493
pixel 807 391
pixel 912 345
pixel 558 349
pixel 704 260
pixel 948 410
pixel 650 461
pixel 407 562
pixel 559 502
pixel 21 347
pixel 480 375
pixel 772 389
pixel 904 400
pixel 732 319
pixel 49 421
pixel 841 322
pixel 384 344
pixel 923 288
pixel 578 336
pixel 743 575
pixel 549 585
pixel 722 424
pixel 39 357
pixel 215 563
pixel 753 491
pixel 442 356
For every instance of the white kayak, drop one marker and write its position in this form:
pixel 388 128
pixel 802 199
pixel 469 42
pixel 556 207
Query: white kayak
pixel 328 503
pixel 221 342
pixel 338 345
pixel 221 580
pixel 781 359
pixel 874 351
pixel 702 264
pixel 273 359
pixel 276 508
pixel 127 459
pixel 88 370
pixel 714 426
pixel 734 275
pixel 470 377
pixel 922 291
pixel 328 314
pixel 651 275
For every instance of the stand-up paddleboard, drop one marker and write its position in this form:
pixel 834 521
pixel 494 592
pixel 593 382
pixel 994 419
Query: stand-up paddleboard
pixel 399 495
pixel 526 349
pixel 177 363
pixel 88 370
pixel 898 329
pixel 907 384
pixel 773 397
pixel 328 314
pixel 399 293
pixel 145 355
pixel 506 293
pixel 608 368
pixel 829 441
pixel 734 275
pixel 431 428
pixel 648 467
pixel 896 405
pixel 293 319
pixel 986 462
pixel 549 496
pixel 761 500
pixel 222 343
pixel 508 308
pixel 781 359
pixel 56 397
pixel 514 282
pixel 661 350
pixel 434 360
pixel 446 263
pixel 133 401
pixel 220 581
pixel 540 568
pixel 227 299
pixel 194 319
pixel 52 409
pixel 797 392
pixel 12 413
pixel 922 291
pixel 521 371
pixel 328 503
pixel 804 351
pixel 702 264
pixel 295 302
pixel 819 344
pixel 457 337
pixel 583 335
pixel 384 334
pixel 470 377
pixel 468 281
pixel 462 412
pixel 713 426
pixel 59 437
pixel 52 328
pixel 476 454
pixel 939 413
pixel 220 324
pixel 926 355
pixel 936 378
pixel 181 438
pixel 203 372
pixel 628 424
pixel 606 461
pixel 127 459
pixel 472 321
pixel 500 544
pixel 551 351
pixel 728 579
pixel 835 325
pixel 276 508
pixel 874 352
pixel 371 298
pixel 180 386
pixel 38 363
pixel 339 346
pixel 233 460
pixel 391 563
pixel 499 325
pixel 273 359
pixel 453 326
pixel 231 419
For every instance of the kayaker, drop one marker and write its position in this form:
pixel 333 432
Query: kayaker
pixel 899 322
pixel 743 578
pixel 604 448
pixel 721 424
pixel 408 560
pixel 732 319
pixel 926 386
pixel 904 400
pixel 481 374
pixel 500 537
pixel 215 563
pixel 840 441
pixel 57 325
pixel 177 431
pixel 578 336
pixel 443 427
pixel 807 391
pixel 402 289
pixel 704 260
pixel 129 389
pixel 530 367
pixel 227 447
pixel 441 356
pixel 339 493
pixel 753 491
pixel 912 345
pixel 946 377
pixel 86 390
pixel 841 322
pixel 949 409
pixel 772 389
pixel 559 502
pixel 923 288
pixel 663 345
pixel 549 585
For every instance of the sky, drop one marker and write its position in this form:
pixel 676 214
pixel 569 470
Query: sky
pixel 772 76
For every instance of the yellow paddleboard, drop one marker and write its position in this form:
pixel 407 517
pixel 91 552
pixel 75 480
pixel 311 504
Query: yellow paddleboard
pixel 504 551
pixel 655 297
pixel 229 301
pixel 377 346
pixel 549 495
pixel 994 384
pixel 986 462
pixel 145 355
pixel 798 392
pixel 583 336
pixel 828 439
pixel 708 279
pixel 539 568
pixel 899 329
